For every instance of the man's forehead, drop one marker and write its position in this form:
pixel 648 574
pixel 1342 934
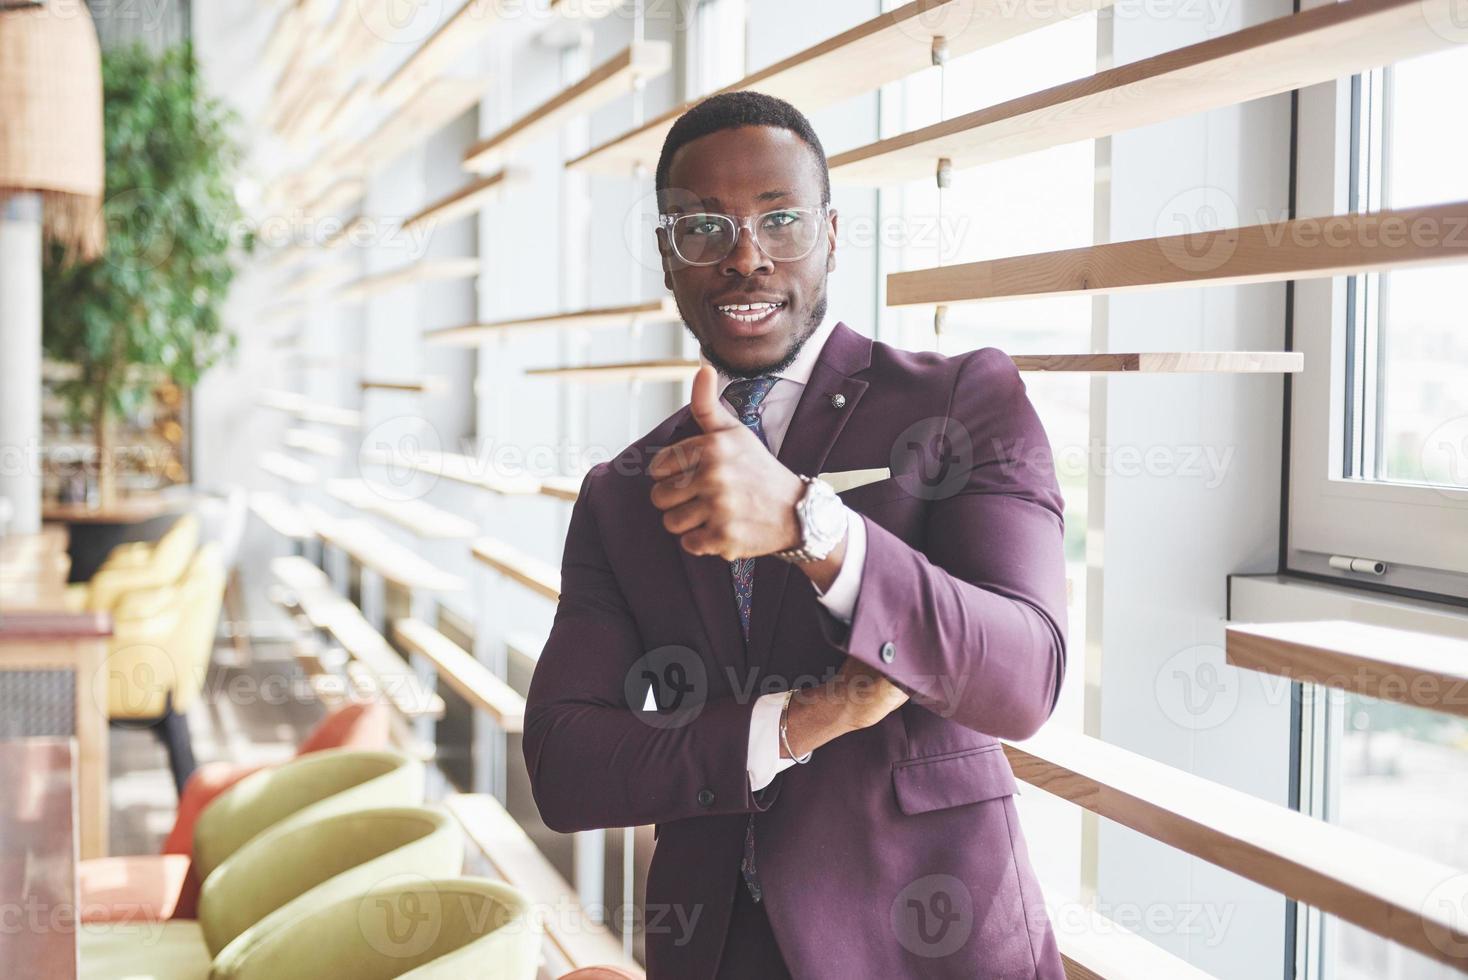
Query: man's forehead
pixel 745 164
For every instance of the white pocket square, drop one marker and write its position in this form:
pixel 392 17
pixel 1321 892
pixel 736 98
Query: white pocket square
pixel 842 480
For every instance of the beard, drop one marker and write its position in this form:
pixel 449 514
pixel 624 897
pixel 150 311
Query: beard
pixel 816 316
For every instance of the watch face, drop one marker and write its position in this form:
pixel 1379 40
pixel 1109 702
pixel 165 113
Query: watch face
pixel 827 517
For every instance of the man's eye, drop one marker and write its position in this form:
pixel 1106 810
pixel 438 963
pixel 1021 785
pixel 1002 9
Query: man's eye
pixel 781 219
pixel 707 228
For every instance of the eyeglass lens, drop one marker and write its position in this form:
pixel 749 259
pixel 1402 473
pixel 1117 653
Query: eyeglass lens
pixel 785 235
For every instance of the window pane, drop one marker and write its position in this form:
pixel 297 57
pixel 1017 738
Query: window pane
pixel 1421 399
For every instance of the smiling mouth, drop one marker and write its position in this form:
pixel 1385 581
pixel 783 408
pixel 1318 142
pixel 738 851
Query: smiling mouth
pixel 749 312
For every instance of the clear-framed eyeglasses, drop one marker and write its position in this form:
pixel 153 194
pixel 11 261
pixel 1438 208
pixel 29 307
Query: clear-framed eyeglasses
pixel 707 237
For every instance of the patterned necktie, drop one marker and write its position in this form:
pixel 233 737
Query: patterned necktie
pixel 747 397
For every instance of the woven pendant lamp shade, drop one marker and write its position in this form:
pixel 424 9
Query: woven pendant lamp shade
pixel 51 119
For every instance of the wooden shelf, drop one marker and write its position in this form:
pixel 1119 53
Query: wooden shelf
pixel 652 311
pixel 1306 248
pixel 283 401
pixel 331 613
pixel 1370 884
pixel 561 487
pixel 1092 947
pixel 671 369
pixel 344 418
pixel 536 575
pixel 621 73
pixel 367 546
pixel 1421 669
pixel 574 938
pixel 416 516
pixel 313 442
pixel 1317 45
pixel 1171 362
pixel 424 270
pixel 1154 362
pixel 856 61
pixel 290 470
pixel 422 387
pixel 468 470
pixel 475 682
pixel 469 199
pixel 281 516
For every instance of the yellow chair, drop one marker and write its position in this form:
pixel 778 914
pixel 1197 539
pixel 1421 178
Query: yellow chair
pixel 279 877
pixel 163 637
pixel 137 565
pixel 446 929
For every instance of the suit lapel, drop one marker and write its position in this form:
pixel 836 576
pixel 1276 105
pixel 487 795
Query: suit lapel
pixel 813 430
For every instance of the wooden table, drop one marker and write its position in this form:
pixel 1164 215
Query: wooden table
pixel 37 633
pixel 38 857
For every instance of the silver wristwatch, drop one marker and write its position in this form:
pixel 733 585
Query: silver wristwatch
pixel 822 517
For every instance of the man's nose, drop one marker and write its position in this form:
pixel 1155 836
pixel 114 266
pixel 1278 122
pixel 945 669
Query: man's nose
pixel 746 259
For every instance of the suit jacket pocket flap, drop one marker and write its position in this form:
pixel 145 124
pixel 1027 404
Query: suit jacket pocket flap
pixel 968 776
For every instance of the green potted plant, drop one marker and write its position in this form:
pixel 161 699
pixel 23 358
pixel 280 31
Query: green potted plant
pixel 148 310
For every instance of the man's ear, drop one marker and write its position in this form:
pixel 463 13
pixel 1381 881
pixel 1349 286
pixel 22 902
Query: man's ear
pixel 831 241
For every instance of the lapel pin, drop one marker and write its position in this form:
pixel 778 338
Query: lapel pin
pixel 838 401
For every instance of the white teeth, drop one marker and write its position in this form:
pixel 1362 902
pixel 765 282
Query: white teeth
pixel 749 311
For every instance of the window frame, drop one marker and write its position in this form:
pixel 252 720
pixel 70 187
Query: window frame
pixel 1417 531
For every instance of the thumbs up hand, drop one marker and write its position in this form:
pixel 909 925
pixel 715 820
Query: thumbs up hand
pixel 722 492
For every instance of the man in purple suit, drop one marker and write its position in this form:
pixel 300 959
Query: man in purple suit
pixel 819 751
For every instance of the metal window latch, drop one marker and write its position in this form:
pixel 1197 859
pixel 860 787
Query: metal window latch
pixel 1369 566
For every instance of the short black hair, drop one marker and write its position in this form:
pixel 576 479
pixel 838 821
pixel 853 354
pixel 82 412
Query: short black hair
pixel 730 110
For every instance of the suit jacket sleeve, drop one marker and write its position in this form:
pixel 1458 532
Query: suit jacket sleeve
pixel 976 619
pixel 595 760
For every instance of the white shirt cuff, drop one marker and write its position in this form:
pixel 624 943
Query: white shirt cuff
pixel 764 742
pixel 840 598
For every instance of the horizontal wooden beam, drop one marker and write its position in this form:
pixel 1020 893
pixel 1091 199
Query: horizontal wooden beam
pixel 1305 248
pixel 1408 899
pixel 1092 947
pixel 1421 669
pixel 475 682
pixel 345 418
pixel 290 470
pixel 1170 362
pixel 460 468
pixel 367 546
pixel 281 516
pixel 537 576
pixel 561 487
pixel 1151 362
pixel 884 49
pixel 467 200
pixel 406 385
pixel 424 270
pixel 317 443
pixel 1331 41
pixel 652 311
pixel 419 517
pixel 578 939
pixel 625 70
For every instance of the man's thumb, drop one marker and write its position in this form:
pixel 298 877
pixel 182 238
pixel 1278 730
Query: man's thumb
pixel 708 411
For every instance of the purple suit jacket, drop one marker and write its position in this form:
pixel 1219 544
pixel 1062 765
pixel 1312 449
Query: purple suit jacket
pixel 896 851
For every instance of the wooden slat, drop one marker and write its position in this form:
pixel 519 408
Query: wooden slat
pixel 290 470
pixel 1231 362
pixel 1421 669
pixel 424 270
pixel 1399 895
pixel 281 516
pixel 1093 947
pixel 1328 42
pixel 345 418
pixel 468 470
pixel 407 386
pixel 668 369
pixel 474 681
pixel 859 60
pixel 333 614
pixel 469 199
pixel 561 487
pixel 416 516
pixel 1172 362
pixel 317 443
pixel 284 401
pixel 1306 248
pixel 634 64
pixel 578 939
pixel 652 311
pixel 395 563
pixel 537 576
